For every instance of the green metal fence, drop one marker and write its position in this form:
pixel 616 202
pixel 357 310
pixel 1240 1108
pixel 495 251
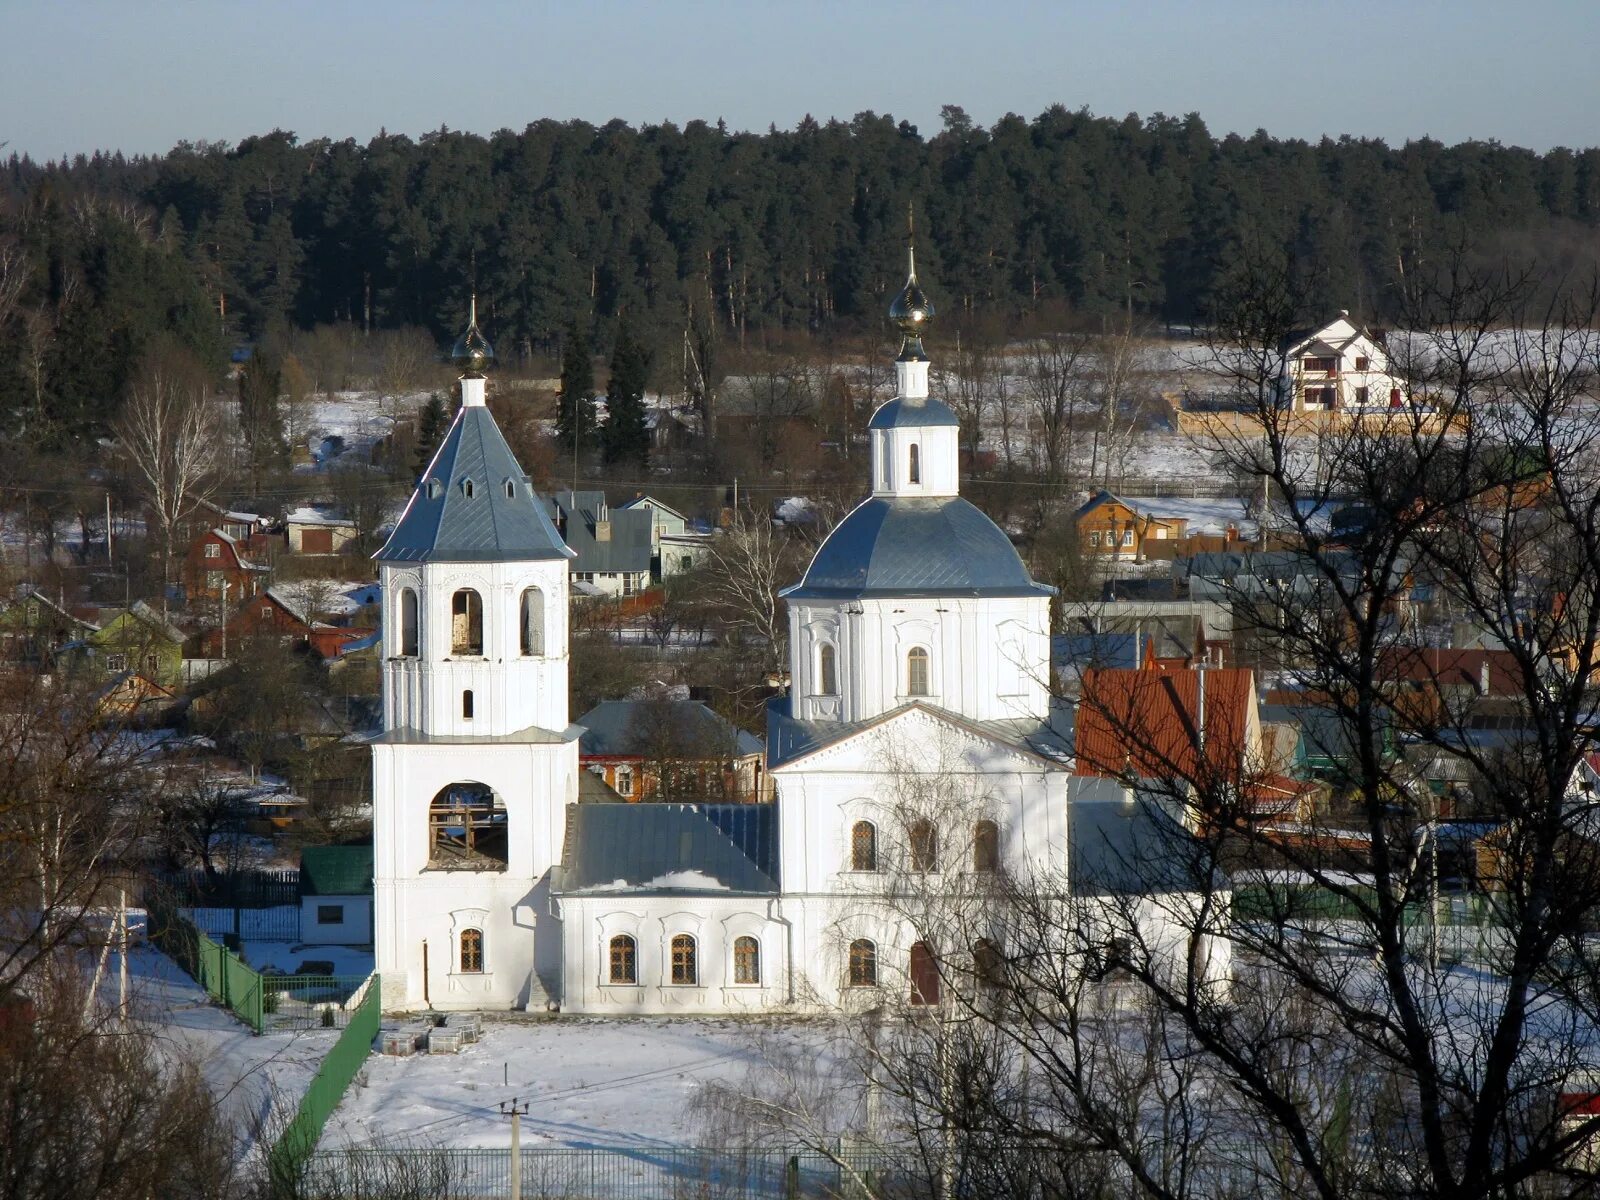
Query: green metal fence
pixel 262 1002
pixel 287 1159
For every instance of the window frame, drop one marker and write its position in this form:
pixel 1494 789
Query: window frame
pixel 922 846
pixel 827 669
pixel 622 952
pixel 324 919
pixel 863 833
pixel 862 967
pixel 469 951
pixel 746 961
pixel 915 656
pixel 624 776
pixel 922 975
pixel 914 465
pixel 985 847
pixel 683 962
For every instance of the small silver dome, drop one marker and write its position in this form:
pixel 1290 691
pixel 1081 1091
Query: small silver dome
pixel 472 352
pixel 911 310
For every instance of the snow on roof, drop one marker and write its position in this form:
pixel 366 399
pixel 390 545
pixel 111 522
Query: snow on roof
pixel 315 516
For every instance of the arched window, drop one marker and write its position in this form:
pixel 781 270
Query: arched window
pixel 924 839
pixel 466 705
pixel 827 670
pixel 472 951
pixel 408 623
pixel 624 781
pixel 624 960
pixel 924 975
pixel 985 847
pixel 685 969
pixel 987 963
pixel 466 622
pixel 746 960
pixel 914 474
pixel 511 489
pixel 863 846
pixel 917 672
pixel 863 963
pixel 533 622
pixel 467 829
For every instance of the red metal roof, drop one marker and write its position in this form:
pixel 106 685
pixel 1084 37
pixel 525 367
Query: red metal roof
pixel 1147 722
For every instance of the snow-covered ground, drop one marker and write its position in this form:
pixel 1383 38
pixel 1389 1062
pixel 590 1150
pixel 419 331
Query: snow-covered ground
pixel 588 1083
pixel 249 1075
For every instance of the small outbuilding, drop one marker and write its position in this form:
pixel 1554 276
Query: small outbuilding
pixel 336 895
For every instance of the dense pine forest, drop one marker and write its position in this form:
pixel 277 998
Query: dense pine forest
pixel 790 231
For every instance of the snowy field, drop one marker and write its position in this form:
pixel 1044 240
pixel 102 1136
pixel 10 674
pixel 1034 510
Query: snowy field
pixel 249 1075
pixel 588 1082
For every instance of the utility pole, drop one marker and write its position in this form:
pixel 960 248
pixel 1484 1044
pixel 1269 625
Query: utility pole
pixel 516 1112
pixel 122 955
pixel 108 529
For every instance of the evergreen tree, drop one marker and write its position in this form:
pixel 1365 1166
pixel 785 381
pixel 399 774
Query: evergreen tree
pixel 261 417
pixel 625 437
pixel 575 405
pixel 433 422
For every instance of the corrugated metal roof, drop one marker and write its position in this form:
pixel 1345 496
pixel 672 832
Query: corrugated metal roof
pixel 627 547
pixel 336 871
pixel 916 547
pixel 462 512
pixel 671 848
pixel 626 727
pixel 1145 722
pixel 905 412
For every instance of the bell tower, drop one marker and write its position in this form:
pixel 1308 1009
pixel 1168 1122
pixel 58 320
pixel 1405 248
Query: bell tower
pixel 477 760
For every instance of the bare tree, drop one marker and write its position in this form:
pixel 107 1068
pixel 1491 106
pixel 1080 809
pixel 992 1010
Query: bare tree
pixel 168 430
pixel 747 565
pixel 1056 380
pixel 1121 390
pixel 75 802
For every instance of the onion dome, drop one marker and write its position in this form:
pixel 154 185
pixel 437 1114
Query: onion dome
pixel 472 352
pixel 910 311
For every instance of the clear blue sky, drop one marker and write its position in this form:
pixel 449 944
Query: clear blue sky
pixel 139 75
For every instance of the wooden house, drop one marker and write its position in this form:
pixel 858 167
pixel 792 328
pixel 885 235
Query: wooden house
pixel 1111 527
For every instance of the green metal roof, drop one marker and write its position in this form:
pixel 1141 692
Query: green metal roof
pixel 336 871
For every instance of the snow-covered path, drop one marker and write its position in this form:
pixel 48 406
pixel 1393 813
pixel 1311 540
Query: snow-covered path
pixel 588 1083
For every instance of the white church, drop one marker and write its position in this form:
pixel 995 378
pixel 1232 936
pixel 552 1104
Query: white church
pixel 918 741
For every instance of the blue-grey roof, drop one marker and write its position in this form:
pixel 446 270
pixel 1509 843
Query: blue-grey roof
pixel 629 727
pixel 1129 849
pixel 627 546
pixel 904 412
pixel 671 848
pixel 1083 650
pixel 443 523
pixel 916 547
pixel 789 738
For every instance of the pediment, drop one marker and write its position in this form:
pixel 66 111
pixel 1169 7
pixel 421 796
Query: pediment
pixel 920 738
